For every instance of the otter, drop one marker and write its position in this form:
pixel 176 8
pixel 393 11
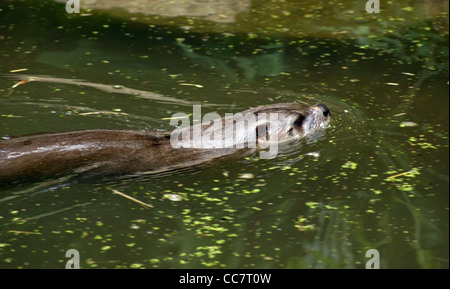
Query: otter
pixel 105 152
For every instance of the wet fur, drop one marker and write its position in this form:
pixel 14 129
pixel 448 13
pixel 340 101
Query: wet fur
pixel 105 152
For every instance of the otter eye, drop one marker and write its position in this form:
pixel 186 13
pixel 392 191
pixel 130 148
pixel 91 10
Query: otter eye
pixel 299 120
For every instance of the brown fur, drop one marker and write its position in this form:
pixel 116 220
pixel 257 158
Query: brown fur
pixel 103 152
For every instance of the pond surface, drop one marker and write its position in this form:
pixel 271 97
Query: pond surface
pixel 377 179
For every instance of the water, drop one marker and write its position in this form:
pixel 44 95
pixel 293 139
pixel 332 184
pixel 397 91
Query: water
pixel 378 178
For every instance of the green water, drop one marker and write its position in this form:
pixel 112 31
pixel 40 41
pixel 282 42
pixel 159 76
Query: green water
pixel 378 178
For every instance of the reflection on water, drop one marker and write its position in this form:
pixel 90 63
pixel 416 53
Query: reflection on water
pixel 368 183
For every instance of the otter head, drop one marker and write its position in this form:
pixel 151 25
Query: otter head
pixel 290 121
pixel 261 127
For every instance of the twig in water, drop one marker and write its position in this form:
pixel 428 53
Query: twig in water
pixel 130 198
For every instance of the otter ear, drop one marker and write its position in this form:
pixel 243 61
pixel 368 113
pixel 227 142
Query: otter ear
pixel 262 132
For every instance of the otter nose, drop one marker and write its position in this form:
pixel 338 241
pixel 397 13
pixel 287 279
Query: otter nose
pixel 326 111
